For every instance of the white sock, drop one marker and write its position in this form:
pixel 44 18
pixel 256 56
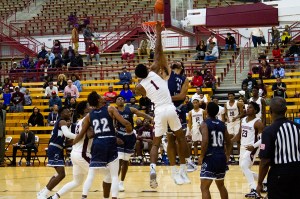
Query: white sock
pixel 114 168
pixel 88 182
pixel 45 191
pixel 153 166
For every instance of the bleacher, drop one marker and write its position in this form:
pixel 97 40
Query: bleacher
pixel 9 7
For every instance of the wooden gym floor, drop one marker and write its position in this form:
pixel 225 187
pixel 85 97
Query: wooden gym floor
pixel 25 182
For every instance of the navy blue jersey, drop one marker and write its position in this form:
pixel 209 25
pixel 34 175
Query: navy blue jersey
pixel 216 134
pixel 127 115
pixel 175 84
pixel 101 122
pixel 57 136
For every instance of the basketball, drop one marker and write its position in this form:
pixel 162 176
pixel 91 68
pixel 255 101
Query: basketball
pixel 159 6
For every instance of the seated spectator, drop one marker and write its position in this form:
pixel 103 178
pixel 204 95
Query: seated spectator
pixel 279 88
pixel 201 49
pixel 285 38
pixel 275 36
pixel 6 97
pixel 8 84
pixel 72 104
pixel 297 94
pixel 27 98
pixel 68 55
pixel 25 62
pixel 138 124
pixel 76 82
pixel 70 88
pixel 22 89
pixel 57 61
pixel 211 39
pixel 36 118
pixel 61 82
pixel 262 90
pixel 50 56
pixel 213 56
pixel 77 62
pixel 249 81
pixel 133 103
pixel 125 77
pixel 246 93
pixel 26 141
pixel 93 52
pixel 145 104
pixel 49 89
pixel 13 71
pixel 293 52
pixel 127 51
pixel 53 116
pixel 55 100
pixel 126 92
pixel 264 70
pixel 278 71
pixel 197 80
pixel 230 42
pixel 42 54
pixel 144 139
pixel 57 48
pixel 189 105
pixel 40 64
pixel 209 80
pixel 110 95
pixel 46 82
pixel 200 95
pixel 144 48
pixel 276 52
pixel 17 100
pixel 67 100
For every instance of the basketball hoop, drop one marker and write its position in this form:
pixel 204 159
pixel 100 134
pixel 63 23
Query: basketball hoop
pixel 150 30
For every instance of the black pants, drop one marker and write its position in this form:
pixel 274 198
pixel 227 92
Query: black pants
pixel 283 186
pixel 28 153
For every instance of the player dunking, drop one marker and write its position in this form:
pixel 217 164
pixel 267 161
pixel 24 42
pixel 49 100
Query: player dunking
pixel 251 127
pixel 213 158
pixel 104 147
pixel 126 149
pixel 55 151
pixel 155 87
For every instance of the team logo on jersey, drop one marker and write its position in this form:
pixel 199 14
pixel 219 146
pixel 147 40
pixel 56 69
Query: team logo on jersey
pixel 262 147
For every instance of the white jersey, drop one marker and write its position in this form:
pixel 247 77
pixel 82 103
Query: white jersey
pixel 232 111
pixel 248 135
pixel 85 143
pixel 197 118
pixel 157 89
pixel 258 101
pixel 220 113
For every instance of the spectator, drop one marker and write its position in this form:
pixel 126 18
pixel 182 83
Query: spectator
pixel 278 71
pixel 72 104
pixel 36 118
pixel 75 37
pixel 246 93
pixel 76 82
pixel 188 104
pixel 132 103
pixel 257 37
pixel 213 56
pixel 70 88
pixel 285 38
pixel 26 141
pixel 275 36
pixel 144 139
pixel 22 89
pixel 57 61
pixel 127 51
pixel 264 70
pixel 200 95
pixel 61 82
pixel 279 88
pixel 197 80
pixel 49 89
pixel 40 64
pixel 72 20
pixel 46 82
pixel 87 35
pixel 25 62
pixel 145 104
pixel 27 98
pixel 17 100
pixel 138 124
pixel 93 52
pixel 125 77
pixel 211 39
pixel 55 100
pixel 230 42
pixel 201 49
pixel 13 71
pixel 126 92
pixel 209 80
pixel 276 52
pixel 110 95
pixel 262 90
pixel 293 52
pixel 53 116
pixel 8 84
pixel 68 55
pixel 42 53
pixel 144 48
pixel 50 56
pixel 57 47
pixel 76 62
pixel 250 82
pixel 6 97
pixel 67 102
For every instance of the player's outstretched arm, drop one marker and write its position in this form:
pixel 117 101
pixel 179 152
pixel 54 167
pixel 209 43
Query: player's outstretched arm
pixel 140 114
pixel 204 143
pixel 114 113
pixel 183 91
pixel 85 126
pixel 160 62
pixel 64 128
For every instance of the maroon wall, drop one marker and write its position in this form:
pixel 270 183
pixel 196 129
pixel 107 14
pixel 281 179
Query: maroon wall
pixel 251 15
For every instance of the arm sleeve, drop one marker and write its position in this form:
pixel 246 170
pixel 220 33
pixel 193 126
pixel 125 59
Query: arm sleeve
pixel 67 133
pixel 257 144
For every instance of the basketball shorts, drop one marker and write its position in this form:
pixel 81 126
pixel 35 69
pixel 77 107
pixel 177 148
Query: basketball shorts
pixel 196 135
pixel 164 116
pixel 126 150
pixel 103 151
pixel 55 156
pixel 80 165
pixel 248 157
pixel 213 167
pixel 233 127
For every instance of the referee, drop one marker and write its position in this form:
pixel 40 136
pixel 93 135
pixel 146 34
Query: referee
pixel 280 150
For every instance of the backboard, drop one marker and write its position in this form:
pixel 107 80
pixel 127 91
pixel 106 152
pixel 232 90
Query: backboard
pixel 175 12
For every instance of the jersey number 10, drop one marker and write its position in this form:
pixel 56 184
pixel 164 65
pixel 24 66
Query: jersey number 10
pixel 218 139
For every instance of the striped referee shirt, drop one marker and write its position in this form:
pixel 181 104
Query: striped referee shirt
pixel 281 144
